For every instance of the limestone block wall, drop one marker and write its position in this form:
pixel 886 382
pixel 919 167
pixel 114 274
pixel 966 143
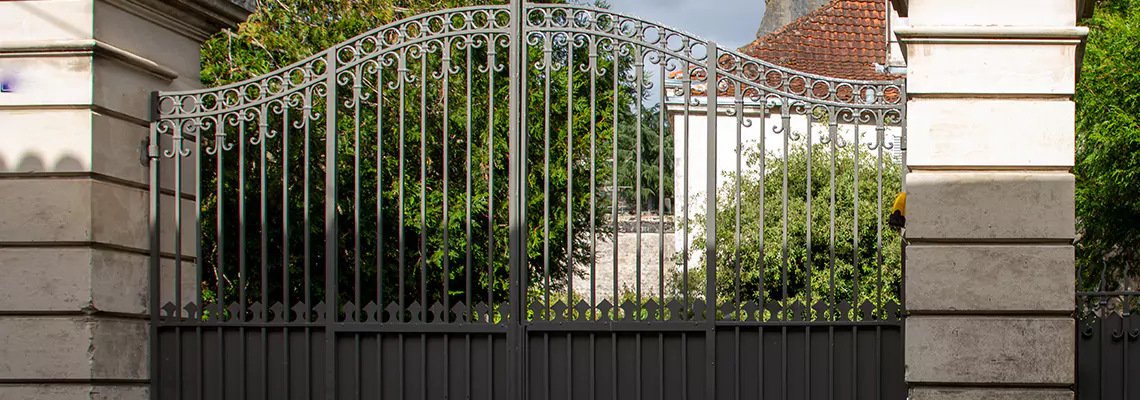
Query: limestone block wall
pixel 74 234
pixel 990 224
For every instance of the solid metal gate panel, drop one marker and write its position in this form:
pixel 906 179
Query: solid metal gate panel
pixel 527 201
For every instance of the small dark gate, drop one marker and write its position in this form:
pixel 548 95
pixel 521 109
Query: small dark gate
pixel 437 209
pixel 1108 336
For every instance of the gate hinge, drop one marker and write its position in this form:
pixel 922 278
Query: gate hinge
pixel 147 151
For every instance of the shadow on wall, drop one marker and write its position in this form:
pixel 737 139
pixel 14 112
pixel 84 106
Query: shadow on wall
pixel 30 163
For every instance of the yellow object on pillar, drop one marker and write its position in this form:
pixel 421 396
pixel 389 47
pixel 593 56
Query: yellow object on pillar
pixel 897 220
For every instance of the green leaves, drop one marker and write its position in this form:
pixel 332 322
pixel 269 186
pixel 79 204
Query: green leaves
pixel 1108 147
pixel 850 250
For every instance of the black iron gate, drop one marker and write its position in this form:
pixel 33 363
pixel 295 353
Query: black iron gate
pixel 437 209
pixel 1108 333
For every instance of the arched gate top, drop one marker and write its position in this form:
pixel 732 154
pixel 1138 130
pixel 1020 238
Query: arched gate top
pixel 738 75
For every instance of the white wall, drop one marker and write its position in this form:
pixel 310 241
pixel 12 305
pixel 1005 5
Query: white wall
pixel 755 128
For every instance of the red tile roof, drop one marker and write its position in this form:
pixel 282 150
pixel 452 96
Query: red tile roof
pixel 842 39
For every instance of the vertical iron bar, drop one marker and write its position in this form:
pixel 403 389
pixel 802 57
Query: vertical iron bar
pixel 332 302
pixel 687 87
pixel 855 266
pixel 154 148
pixel 593 190
pixel 547 52
pixel 515 202
pixel 710 223
pixel 241 318
pixel 570 178
pixel 491 53
pixel 807 260
pixel 423 187
pixel 285 259
pixel 738 109
pixel 423 221
pixel 833 135
pixel 357 254
pixel 380 250
pixel 177 142
pixel 639 77
pixel 614 193
pixel 402 78
pixel 523 261
pixel 880 134
pixel 469 268
pixel 199 263
pixel 264 127
pixel 786 132
pixel 306 118
pixel 446 169
pixel 786 118
pixel 661 200
pixel 764 111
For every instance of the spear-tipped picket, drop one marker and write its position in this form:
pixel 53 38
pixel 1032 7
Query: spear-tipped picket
pixel 460 311
pixel 676 311
pixel 774 311
pixel 439 314
pixel 651 308
pixel 321 311
pixel 604 310
pixel 301 313
pixel 559 309
pixel 844 309
pixel 583 310
pixel 749 309
pixel 699 310
pixel 216 312
pixel 350 312
pixel 820 310
pixel 483 313
pixel 257 310
pixel 393 310
pixel 169 308
pixel 370 311
pixel 279 315
pixel 192 312
pixel 237 314
pixel 417 312
pixel 536 311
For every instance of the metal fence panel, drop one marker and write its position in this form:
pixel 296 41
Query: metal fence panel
pixel 527 200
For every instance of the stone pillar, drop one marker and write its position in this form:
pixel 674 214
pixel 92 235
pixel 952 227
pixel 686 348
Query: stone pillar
pixel 990 223
pixel 73 193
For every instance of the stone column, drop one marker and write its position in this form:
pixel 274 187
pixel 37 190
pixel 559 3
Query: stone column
pixel 75 108
pixel 990 223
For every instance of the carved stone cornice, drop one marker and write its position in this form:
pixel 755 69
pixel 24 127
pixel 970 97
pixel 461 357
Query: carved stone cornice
pixel 196 19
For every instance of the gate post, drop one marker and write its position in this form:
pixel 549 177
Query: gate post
pixel 990 260
pixel 74 238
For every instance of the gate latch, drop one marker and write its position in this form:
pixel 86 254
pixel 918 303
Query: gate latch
pixel 147 151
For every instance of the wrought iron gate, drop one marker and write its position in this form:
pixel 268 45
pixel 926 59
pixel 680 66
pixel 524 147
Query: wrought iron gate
pixel 1108 333
pixel 431 209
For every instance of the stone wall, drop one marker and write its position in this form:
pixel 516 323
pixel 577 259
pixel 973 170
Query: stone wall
pixel 651 275
pixel 74 233
pixel 990 224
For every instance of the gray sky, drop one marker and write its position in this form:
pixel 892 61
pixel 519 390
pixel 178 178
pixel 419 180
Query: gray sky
pixel 731 23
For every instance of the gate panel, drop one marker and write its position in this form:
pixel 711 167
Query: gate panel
pixel 1108 334
pixel 529 201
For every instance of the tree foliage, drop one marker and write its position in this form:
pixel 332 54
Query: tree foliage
pixel 774 257
pixel 1108 147
pixel 394 241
